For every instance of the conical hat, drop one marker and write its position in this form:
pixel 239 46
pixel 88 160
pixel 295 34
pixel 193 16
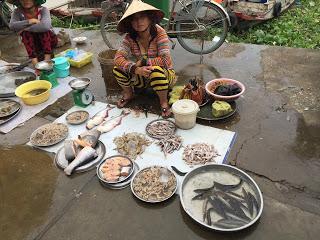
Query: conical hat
pixel 135 7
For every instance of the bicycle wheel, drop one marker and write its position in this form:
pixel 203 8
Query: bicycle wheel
pixel 6 11
pixel 108 27
pixel 202 27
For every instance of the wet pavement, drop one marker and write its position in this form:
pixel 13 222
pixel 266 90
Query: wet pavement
pixel 278 144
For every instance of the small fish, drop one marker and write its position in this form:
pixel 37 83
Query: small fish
pixel 219 206
pixel 85 155
pixel 236 209
pixel 177 171
pixel 226 188
pixel 99 117
pixel 250 201
pixel 204 208
pixel 229 223
pixel 209 215
pixel 108 125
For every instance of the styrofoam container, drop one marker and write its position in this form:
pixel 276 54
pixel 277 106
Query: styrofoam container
pixel 185 113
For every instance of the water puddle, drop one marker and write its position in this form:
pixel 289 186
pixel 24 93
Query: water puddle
pixel 27 183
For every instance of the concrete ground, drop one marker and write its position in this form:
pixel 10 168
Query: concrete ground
pixel 278 144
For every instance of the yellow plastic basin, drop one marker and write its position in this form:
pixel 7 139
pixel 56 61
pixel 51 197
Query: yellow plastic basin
pixel 34 92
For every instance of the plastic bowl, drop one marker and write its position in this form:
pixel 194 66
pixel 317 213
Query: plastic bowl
pixel 213 84
pixel 23 92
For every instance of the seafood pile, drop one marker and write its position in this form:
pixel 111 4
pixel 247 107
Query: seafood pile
pixel 160 129
pixel 231 209
pixel 154 184
pixel 81 150
pixel 170 144
pixel 131 144
pixel 77 117
pixel 49 134
pixel 116 169
pixel 199 153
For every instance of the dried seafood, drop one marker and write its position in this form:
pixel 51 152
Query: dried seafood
pixel 160 128
pixel 169 144
pixel 49 134
pixel 77 117
pixel 154 184
pixel 131 144
pixel 199 153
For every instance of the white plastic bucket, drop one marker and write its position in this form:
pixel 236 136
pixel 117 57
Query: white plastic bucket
pixel 185 113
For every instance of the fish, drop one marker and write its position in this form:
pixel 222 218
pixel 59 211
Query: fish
pixel 85 155
pixel 219 206
pixel 204 208
pixel 250 201
pixel 125 171
pixel 110 124
pixel 229 223
pixel 89 138
pixel 99 117
pixel 236 209
pixel 209 215
pixel 70 150
pixel 226 188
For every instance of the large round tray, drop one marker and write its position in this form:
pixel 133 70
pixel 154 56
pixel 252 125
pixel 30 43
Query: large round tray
pixel 197 177
pixel 7 119
pixel 160 120
pixel 154 201
pixel 64 136
pixel 205 112
pixel 61 161
pixel 9 83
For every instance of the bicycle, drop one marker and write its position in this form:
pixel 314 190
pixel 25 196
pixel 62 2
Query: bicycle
pixel 200 26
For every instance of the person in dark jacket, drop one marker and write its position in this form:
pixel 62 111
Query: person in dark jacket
pixel 33 23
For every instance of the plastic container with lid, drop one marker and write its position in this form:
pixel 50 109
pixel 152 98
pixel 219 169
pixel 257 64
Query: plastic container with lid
pixel 185 113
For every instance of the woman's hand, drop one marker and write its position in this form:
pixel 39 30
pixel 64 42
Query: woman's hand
pixel 144 71
pixel 33 21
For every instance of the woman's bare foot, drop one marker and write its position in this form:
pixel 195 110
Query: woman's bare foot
pixel 127 96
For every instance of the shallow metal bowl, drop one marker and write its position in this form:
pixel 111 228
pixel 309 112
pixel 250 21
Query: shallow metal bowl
pixel 217 168
pixel 79 83
pixel 44 65
pixel 155 201
pixel 100 174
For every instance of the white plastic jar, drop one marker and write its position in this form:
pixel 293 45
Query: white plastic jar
pixel 185 113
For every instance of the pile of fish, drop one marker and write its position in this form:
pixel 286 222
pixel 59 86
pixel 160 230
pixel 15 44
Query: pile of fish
pixel 230 208
pixel 81 150
pixel 131 144
pixel 116 169
pixel 160 128
pixel 199 153
pixel 170 144
pixel 101 121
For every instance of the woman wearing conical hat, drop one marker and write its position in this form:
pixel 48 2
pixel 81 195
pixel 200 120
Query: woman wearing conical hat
pixel 33 22
pixel 148 44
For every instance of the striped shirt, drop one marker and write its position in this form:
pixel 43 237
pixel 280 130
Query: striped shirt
pixel 158 53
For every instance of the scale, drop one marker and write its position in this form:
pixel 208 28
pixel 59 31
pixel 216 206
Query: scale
pixel 82 97
pixel 47 73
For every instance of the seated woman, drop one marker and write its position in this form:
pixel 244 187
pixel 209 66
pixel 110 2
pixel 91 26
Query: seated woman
pixel 144 58
pixel 33 23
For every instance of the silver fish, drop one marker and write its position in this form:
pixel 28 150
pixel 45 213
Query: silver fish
pixel 89 138
pixel 108 125
pixel 85 155
pixel 99 117
pixel 70 150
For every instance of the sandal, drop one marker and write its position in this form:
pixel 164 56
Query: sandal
pixel 123 102
pixel 166 112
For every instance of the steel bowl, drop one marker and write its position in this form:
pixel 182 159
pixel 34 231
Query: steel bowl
pixel 44 65
pixel 79 83
pixel 100 174
pixel 216 170
pixel 153 201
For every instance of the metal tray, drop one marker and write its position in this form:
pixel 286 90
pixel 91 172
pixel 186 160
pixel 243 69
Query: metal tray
pixel 123 184
pixel 79 83
pixel 205 112
pixel 61 161
pixel 9 83
pixel 64 136
pixel 14 106
pixel 7 119
pixel 224 174
pixel 155 201
pixel 160 120
pixel 99 172
pixel 77 122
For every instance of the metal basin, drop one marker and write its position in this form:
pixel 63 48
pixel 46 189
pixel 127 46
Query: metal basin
pixel 203 178
pixel 44 65
pixel 79 83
